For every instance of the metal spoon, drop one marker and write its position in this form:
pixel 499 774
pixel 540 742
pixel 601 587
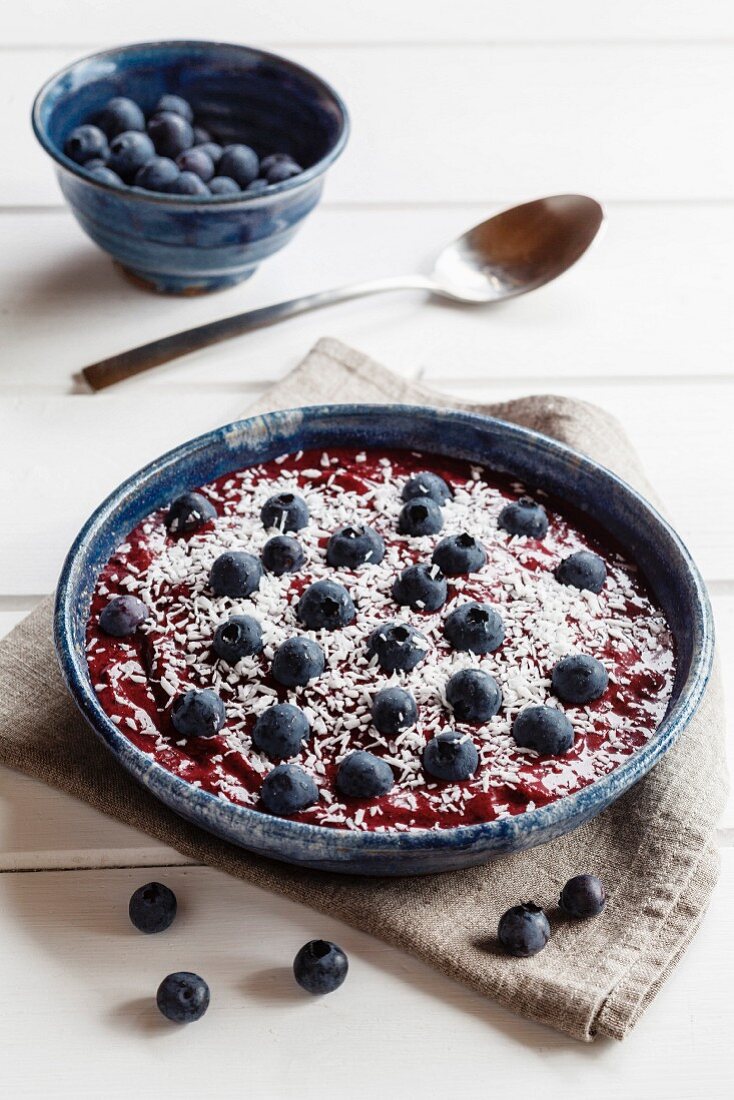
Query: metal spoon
pixel 515 251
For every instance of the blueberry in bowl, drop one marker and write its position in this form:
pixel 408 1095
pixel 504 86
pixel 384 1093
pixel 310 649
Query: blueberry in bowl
pixel 270 128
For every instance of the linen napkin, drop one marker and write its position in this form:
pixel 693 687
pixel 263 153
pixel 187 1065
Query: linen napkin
pixel 654 848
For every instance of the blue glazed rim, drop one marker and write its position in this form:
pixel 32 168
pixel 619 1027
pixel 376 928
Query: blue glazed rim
pixel 341 849
pixel 139 195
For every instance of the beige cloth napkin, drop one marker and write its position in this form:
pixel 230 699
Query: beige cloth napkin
pixel 654 848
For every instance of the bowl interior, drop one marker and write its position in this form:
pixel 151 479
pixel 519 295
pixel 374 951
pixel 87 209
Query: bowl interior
pixel 237 93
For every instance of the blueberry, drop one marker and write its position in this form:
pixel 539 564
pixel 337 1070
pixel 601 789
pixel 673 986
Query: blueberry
pixel 320 967
pixel 240 162
pixel 157 175
pixel 421 587
pixel 426 484
pixel 420 517
pixel 524 930
pixel 545 729
pixel 235 574
pixel 198 713
pixel 286 511
pixel 196 161
pixel 280 731
pixel 583 896
pixel 176 105
pixel 283 171
pixel 183 997
pixel 451 756
pixel 325 605
pixel 129 151
pixel 459 554
pixel 152 907
pixel 86 143
pixel 393 710
pixel 95 162
pixel 212 150
pixel 579 679
pixel 241 636
pixel 102 174
pixel 203 137
pixel 288 789
pixel 583 570
pixel 364 775
pixel 282 554
pixel 188 513
pixel 122 616
pixel 118 115
pixel 298 660
pixel 170 133
pixel 187 183
pixel 257 186
pixel 474 628
pixel 273 159
pixel 351 547
pixel 473 695
pixel 223 185
pixel 524 517
pixel 397 646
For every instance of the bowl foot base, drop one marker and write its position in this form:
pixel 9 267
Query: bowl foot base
pixel 184 285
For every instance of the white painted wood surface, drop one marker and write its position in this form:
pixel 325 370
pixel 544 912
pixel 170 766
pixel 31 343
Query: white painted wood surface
pixel 456 110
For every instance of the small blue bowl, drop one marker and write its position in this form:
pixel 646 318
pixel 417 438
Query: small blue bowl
pixel 506 448
pixel 183 244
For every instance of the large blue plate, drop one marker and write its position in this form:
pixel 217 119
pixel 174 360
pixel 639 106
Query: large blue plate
pixel 534 459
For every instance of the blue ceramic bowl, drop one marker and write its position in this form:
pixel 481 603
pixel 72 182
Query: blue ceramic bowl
pixel 533 458
pixel 183 244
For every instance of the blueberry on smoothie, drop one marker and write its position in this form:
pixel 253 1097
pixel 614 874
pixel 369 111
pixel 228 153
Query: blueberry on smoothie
pixel 547 730
pixel 364 775
pixel 474 628
pixel 426 484
pixel 524 930
pixel 282 554
pixel 473 695
pixel 198 713
pixel 393 709
pixel 420 587
pixel 286 511
pixel 420 517
pixel 325 605
pixel 320 967
pixel 241 636
pixel 183 997
pixel 287 790
pixel 188 513
pixel 457 555
pixel 236 574
pixel 397 646
pixel 584 570
pixel 122 616
pixel 298 660
pixel 354 545
pixel 579 679
pixel 524 517
pixel 152 908
pixel 280 731
pixel 451 756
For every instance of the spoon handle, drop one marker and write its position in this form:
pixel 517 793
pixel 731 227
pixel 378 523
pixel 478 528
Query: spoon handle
pixel 128 363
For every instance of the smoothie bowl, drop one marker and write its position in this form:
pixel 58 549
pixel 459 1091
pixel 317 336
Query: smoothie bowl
pixel 382 640
pixel 105 117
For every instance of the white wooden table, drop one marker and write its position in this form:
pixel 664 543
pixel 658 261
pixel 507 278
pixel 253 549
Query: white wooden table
pixel 457 109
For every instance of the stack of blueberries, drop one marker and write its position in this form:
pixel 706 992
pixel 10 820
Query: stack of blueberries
pixel 169 153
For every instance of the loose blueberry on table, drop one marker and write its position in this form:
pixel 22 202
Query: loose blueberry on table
pixel 320 967
pixel 524 930
pixel 169 153
pixel 280 639
pixel 183 997
pixel 152 907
